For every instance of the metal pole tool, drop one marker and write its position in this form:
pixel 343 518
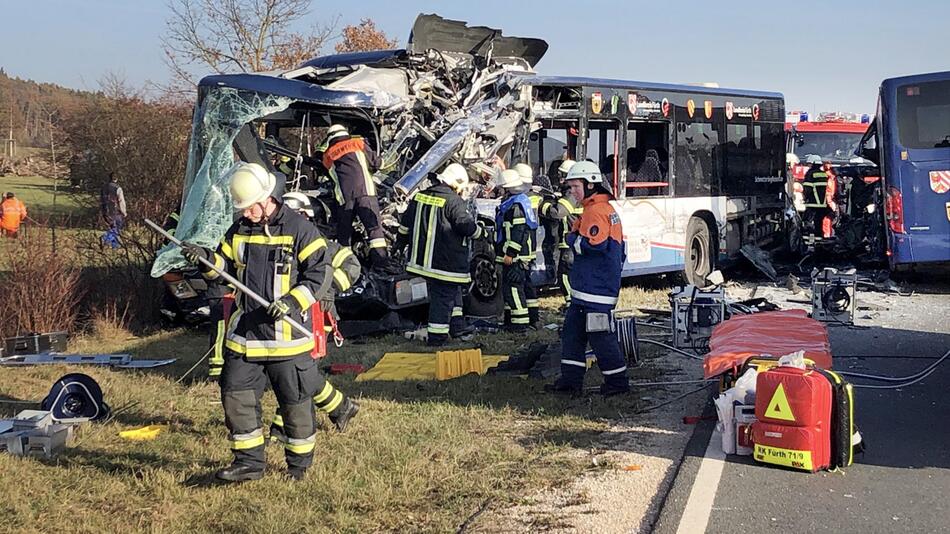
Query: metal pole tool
pixel 230 279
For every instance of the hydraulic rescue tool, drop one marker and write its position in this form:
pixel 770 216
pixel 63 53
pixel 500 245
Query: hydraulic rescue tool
pixel 230 279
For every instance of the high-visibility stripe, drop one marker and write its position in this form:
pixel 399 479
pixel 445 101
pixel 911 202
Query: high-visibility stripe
pixel 290 349
pixel 300 446
pixel 513 245
pixel 532 303
pixel 518 220
pixel 277 240
pixel 214 371
pixel 417 224
pixel 334 402
pixel 218 357
pixel 227 250
pixel 379 242
pixel 303 296
pixel 430 200
pixel 447 276
pixel 314 246
pixel 341 279
pixel 340 257
pixel 278 420
pixel 404 230
pixel 456 312
pixel 241 442
pixel 614 371
pixel 596 299
pixel 430 240
pixel 367 176
pixel 436 328
pixel 519 306
pixel 519 320
pixel 324 393
pixel 574 363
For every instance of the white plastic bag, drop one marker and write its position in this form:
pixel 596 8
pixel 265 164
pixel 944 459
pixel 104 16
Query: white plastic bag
pixel 795 359
pixel 745 387
pixel 727 424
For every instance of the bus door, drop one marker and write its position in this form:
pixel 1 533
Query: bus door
pixel 919 181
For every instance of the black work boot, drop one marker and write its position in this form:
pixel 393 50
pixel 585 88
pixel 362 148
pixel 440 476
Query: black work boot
pixel 609 390
pixel 297 474
pixel 564 388
pixel 342 415
pixel 240 473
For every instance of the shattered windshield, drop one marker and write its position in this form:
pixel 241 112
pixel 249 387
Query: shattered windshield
pixel 831 146
pixel 206 211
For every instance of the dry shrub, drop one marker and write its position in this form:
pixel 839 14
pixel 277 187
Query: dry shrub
pixel 40 290
pixel 111 321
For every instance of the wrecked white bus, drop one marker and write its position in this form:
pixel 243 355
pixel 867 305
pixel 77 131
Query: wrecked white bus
pixel 698 172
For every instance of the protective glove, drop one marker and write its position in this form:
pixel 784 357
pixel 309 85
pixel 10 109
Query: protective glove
pixel 193 252
pixel 280 308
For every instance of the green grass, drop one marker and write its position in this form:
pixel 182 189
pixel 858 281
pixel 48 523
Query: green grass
pixel 420 457
pixel 37 194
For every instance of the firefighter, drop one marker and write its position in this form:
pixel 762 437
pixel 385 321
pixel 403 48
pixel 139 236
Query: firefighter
pixel 818 213
pixel 597 241
pixel 567 210
pixel 439 228
pixel 515 225
pixel 282 257
pixel 345 271
pixel 539 204
pixel 348 161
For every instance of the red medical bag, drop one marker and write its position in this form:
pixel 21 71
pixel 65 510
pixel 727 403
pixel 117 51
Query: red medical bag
pixel 793 412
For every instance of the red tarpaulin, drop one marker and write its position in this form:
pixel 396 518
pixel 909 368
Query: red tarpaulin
pixel 776 333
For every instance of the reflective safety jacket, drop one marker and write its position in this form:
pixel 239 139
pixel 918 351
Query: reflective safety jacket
pixel 597 242
pixel 12 213
pixel 292 260
pixel 515 229
pixel 440 228
pixel 345 266
pixel 563 211
pixel 348 162
pixel 814 185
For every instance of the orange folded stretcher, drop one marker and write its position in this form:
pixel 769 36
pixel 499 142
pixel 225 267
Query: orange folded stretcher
pixel 776 333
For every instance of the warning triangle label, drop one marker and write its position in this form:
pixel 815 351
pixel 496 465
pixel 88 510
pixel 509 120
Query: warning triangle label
pixel 778 406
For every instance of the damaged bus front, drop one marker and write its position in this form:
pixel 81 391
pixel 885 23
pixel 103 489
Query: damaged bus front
pixel 451 95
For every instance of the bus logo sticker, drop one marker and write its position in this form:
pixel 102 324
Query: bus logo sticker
pixel 948 211
pixel 729 110
pixel 614 104
pixel 632 103
pixel 755 112
pixel 690 107
pixel 596 102
pixel 940 181
pixel 707 107
pixel 665 107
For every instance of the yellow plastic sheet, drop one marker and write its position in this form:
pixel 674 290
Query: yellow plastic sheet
pixel 414 366
pixel 144 433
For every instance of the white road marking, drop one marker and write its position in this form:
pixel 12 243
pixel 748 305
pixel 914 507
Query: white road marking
pixel 703 493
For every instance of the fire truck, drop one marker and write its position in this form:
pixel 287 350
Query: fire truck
pixel 833 192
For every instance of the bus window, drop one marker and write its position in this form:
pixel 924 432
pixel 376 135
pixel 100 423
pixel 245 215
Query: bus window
pixel 603 143
pixel 697 159
pixel 549 146
pixel 648 159
pixel 770 139
pixel 923 115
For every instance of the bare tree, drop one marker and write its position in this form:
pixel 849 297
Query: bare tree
pixel 364 37
pixel 225 36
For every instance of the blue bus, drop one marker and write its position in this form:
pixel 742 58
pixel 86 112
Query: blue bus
pixel 910 142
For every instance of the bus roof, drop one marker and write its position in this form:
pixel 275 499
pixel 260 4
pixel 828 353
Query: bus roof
pixel 647 86
pixel 891 84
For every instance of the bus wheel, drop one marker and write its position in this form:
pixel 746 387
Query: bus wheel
pixel 699 260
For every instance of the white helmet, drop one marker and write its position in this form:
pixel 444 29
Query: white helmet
pixel 299 202
pixel 813 159
pixel 526 173
pixel 334 131
pixel 454 175
pixel 250 183
pixel 510 179
pixel 587 171
pixel 566 165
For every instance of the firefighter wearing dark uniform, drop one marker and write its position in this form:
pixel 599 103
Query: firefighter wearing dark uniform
pixel 279 255
pixel 348 162
pixel 515 225
pixel 818 213
pixel 345 271
pixel 538 205
pixel 597 242
pixel 439 228
pixel 568 211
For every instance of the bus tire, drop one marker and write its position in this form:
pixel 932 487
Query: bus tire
pixel 699 252
pixel 484 295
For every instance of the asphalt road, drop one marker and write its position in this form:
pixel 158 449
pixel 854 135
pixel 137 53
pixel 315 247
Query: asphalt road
pixel 900 484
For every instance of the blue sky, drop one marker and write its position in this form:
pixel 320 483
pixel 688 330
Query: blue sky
pixel 827 55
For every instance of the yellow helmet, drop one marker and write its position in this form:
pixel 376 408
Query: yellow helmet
pixel 250 183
